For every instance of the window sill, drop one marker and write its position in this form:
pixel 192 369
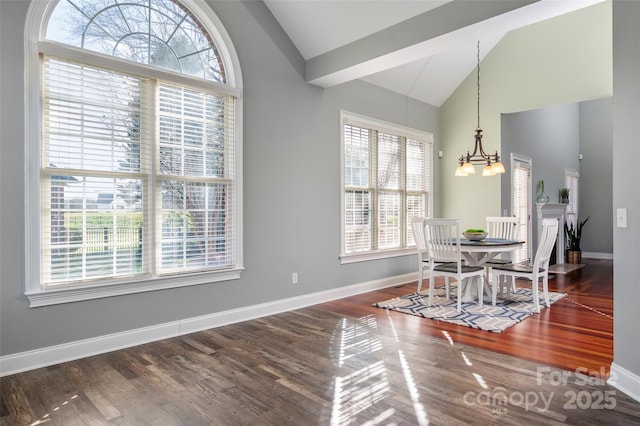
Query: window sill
pixel 375 255
pixel 76 294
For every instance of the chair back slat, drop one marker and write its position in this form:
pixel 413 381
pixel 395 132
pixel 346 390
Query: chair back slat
pixel 443 239
pixel 502 227
pixel 417 228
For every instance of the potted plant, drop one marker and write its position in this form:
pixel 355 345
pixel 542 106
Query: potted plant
pixel 564 195
pixel 574 234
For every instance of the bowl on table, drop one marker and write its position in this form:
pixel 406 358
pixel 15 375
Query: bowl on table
pixel 475 236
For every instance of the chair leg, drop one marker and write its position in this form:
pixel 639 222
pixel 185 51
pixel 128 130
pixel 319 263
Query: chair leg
pixel 510 282
pixel 447 287
pixel 480 290
pixel 534 290
pixel 459 290
pixel 495 282
pixel 420 278
pixel 431 285
pixel 545 290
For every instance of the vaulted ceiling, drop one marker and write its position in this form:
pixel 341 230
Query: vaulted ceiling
pixel 422 49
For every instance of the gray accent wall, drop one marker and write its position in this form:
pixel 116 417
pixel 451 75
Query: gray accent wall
pixel 550 137
pixel 554 137
pixel 596 175
pixel 291 190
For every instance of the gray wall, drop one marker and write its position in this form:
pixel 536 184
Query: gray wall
pixel 626 176
pixel 554 137
pixel 291 190
pixel 596 175
pixel 550 136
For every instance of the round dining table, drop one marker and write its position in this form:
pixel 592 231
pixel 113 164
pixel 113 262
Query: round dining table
pixel 478 253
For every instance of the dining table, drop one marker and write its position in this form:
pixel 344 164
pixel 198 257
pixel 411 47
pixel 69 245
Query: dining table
pixel 479 252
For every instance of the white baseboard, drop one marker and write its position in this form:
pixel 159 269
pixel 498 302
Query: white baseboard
pixel 625 381
pixel 43 357
pixel 594 255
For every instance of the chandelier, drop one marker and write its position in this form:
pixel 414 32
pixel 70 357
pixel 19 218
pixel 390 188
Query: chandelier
pixel 466 163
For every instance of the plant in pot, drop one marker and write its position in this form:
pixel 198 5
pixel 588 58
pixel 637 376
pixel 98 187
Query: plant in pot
pixel 574 235
pixel 564 195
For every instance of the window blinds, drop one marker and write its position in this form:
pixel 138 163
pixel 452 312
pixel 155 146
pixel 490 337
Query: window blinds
pixel 137 176
pixel 521 199
pixel 386 183
pixel 95 166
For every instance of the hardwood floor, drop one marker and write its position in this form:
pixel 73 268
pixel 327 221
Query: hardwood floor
pixel 576 333
pixel 346 362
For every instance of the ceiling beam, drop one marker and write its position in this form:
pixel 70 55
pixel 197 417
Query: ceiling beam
pixel 411 40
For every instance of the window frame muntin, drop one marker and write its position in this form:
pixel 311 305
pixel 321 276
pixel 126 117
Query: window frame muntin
pixel 355 119
pixel 35 31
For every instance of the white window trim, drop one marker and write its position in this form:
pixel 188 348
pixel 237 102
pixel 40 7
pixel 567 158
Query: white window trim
pixel 380 125
pixel 39 13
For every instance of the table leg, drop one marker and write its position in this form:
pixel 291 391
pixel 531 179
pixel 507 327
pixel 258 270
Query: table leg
pixel 478 259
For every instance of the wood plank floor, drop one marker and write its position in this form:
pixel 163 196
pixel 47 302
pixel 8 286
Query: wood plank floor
pixel 576 333
pixel 345 362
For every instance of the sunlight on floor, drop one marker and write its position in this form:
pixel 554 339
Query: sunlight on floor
pixel 358 391
pixel 46 418
pixel 466 359
pixel 448 337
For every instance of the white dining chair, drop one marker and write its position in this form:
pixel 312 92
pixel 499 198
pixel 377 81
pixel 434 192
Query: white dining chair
pixel 538 270
pixel 445 257
pixel 505 227
pixel 417 229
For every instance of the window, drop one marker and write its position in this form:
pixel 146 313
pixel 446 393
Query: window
pixel 386 180
pixel 135 182
pixel 521 204
pixel 571 178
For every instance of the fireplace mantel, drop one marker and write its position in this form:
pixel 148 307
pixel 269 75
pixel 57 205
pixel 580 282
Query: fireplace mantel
pixel 554 211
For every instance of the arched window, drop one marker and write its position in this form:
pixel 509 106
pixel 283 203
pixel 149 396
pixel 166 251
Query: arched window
pixel 134 148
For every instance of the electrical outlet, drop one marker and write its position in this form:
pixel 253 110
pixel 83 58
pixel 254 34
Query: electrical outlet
pixel 294 278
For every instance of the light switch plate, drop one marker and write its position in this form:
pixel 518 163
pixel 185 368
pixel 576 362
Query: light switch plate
pixel 621 218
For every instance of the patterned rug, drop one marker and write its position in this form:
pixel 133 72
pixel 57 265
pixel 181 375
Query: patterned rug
pixel 488 317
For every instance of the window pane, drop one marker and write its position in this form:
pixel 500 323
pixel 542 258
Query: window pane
pixel 416 207
pixel 390 210
pixel 193 132
pixel 94 229
pixel 416 166
pixel 356 156
pixel 157 32
pixel 195 225
pixel 358 221
pixel 388 161
pixel 93 118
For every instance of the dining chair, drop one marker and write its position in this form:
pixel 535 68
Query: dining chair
pixel 539 269
pixel 445 257
pixel 417 228
pixel 501 227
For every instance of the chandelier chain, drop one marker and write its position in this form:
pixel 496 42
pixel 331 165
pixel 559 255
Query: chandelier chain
pixel 478 83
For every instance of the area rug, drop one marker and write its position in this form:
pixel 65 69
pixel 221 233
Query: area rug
pixel 497 318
